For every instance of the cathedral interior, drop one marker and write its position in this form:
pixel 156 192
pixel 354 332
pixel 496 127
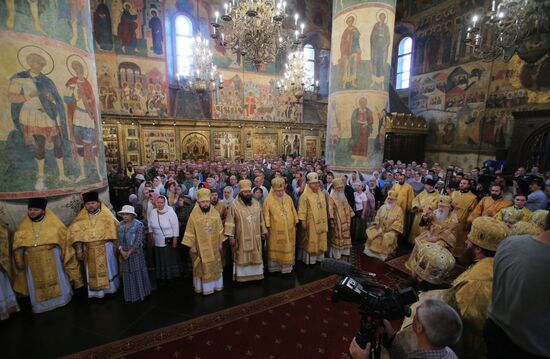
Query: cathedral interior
pixel 90 86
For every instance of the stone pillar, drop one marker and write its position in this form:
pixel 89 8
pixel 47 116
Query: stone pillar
pixel 50 136
pixel 360 60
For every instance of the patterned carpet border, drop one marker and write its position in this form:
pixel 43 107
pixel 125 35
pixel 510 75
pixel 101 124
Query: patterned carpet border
pixel 130 345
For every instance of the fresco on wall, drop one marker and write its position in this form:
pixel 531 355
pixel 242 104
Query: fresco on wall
pixel 255 98
pixel 195 145
pixel 136 86
pixel 356 129
pixel 227 145
pixel 159 144
pixel 453 103
pixel 361 49
pixel 129 27
pixel 291 144
pixel 50 136
pixel 265 144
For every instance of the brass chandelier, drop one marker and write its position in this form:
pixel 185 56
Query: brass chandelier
pixel 509 27
pixel 258 30
pixel 296 79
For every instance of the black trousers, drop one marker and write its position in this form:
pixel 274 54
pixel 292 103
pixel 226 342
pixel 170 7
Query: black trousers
pixel 499 345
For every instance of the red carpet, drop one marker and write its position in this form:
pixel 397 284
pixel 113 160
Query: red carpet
pixel 302 322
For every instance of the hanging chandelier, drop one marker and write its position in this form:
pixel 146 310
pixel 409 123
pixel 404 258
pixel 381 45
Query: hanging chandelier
pixel 257 30
pixel 509 27
pixel 204 76
pixel 297 80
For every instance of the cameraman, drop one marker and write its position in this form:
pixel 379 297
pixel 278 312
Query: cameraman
pixel 436 325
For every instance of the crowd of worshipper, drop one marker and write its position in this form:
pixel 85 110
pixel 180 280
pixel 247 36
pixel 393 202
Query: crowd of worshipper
pixel 197 218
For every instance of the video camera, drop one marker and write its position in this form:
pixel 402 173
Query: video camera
pixel 376 301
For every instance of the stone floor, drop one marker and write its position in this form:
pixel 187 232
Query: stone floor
pixel 85 323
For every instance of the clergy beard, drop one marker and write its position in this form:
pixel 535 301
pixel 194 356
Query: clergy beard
pixel 280 199
pixel 440 215
pixel 205 210
pixel 496 197
pixel 96 211
pixel 390 205
pixel 246 199
pixel 213 203
pixel 465 190
pixel 39 218
pixel 227 201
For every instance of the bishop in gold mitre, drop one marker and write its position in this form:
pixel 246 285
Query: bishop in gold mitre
pixel 340 215
pixel 45 262
pixel 245 227
pixel 438 227
pixel 280 219
pixel 313 216
pixel 204 236
pixel 388 226
pixel 93 234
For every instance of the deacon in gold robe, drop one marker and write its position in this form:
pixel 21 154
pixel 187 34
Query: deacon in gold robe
pixel 431 265
pixel 438 228
pixel 45 262
pixel 313 216
pixel 490 205
pixel 8 301
pixel 245 227
pixel 516 213
pixel 204 236
pixel 340 215
pixel 463 202
pixel 406 195
pixel 280 219
pixel 388 226
pixel 474 287
pixel 93 234
pixel 421 204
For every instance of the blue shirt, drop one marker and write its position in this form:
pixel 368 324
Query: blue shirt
pixel 536 200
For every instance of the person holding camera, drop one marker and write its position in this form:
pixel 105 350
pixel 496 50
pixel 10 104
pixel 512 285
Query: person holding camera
pixel 436 325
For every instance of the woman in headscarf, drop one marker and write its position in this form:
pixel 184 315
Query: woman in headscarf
pixel 164 232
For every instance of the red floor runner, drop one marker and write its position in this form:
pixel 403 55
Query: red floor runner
pixel 299 323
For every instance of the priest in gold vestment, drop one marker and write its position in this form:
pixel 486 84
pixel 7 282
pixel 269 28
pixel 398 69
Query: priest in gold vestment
pixel 464 202
pixel 8 301
pixel 388 226
pixel 421 204
pixel 490 205
pixel 204 236
pixel 474 287
pixel 340 215
pixel 93 234
pixel 280 219
pixel 45 262
pixel 245 227
pixel 438 227
pixel 406 195
pixel 313 216
pixel 516 213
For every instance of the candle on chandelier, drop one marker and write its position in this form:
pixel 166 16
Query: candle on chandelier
pixel 494 6
pixel 178 77
pixel 226 7
pixel 221 78
pixel 474 20
pixel 217 15
pixel 296 16
pixel 223 38
pixel 302 26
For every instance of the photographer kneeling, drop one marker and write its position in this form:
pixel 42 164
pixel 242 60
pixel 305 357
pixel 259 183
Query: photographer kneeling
pixel 436 325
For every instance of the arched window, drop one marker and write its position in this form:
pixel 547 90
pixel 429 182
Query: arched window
pixel 309 64
pixel 404 56
pixel 184 44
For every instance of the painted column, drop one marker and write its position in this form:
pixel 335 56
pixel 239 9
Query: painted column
pixel 362 33
pixel 50 135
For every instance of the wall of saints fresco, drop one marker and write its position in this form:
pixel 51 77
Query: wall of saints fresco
pixel 50 138
pixel 468 103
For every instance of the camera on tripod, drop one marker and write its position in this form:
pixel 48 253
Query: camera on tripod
pixel 376 302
